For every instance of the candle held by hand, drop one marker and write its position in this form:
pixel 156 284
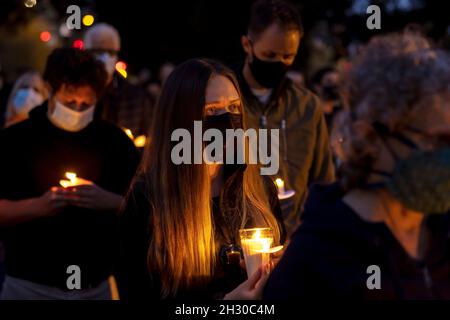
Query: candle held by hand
pixel 73 180
pixel 256 244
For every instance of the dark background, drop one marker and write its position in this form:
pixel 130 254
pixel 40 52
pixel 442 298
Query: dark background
pixel 157 31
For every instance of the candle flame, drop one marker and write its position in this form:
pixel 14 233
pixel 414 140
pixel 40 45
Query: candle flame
pixel 64 183
pixel 140 141
pixel 73 180
pixel 71 176
pixel 279 182
pixel 264 242
pixel 129 133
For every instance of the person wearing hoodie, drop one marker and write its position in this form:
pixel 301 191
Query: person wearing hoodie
pixel 381 231
pixel 274 101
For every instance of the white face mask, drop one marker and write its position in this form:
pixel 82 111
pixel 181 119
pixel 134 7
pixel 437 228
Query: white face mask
pixel 25 100
pixel 109 61
pixel 70 120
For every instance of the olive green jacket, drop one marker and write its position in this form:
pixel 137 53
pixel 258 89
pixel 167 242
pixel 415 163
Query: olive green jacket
pixel 305 154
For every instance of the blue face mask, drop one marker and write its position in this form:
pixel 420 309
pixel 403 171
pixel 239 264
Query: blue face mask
pixel 420 182
pixel 25 100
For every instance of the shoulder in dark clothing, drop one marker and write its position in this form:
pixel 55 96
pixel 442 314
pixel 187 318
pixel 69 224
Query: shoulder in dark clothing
pixel 330 252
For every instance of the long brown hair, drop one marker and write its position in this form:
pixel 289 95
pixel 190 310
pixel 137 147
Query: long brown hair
pixel 182 251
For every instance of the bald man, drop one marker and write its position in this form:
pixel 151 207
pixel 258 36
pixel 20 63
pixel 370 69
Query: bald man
pixel 123 104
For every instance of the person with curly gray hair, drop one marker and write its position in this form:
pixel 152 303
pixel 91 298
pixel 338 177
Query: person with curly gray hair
pixel 381 231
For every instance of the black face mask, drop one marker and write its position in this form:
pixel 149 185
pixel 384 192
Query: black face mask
pixel 267 73
pixel 222 122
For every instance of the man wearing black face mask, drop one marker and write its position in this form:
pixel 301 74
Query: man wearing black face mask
pixel 274 102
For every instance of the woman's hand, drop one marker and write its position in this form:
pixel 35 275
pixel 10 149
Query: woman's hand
pixel 253 287
pixel 91 196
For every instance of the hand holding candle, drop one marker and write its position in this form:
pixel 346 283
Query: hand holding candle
pixel 256 244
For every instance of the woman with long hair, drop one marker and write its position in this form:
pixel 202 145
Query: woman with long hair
pixel 181 222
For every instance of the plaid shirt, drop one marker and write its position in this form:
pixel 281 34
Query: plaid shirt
pixel 127 106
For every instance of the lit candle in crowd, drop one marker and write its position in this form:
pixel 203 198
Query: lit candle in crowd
pixel 139 141
pixel 282 192
pixel 256 244
pixel 280 185
pixel 73 180
pixel 129 133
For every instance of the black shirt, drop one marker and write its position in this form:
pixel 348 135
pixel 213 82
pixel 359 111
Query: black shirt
pixel 35 156
pixel 330 252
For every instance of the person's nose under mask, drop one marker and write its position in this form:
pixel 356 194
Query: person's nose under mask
pixel 71 120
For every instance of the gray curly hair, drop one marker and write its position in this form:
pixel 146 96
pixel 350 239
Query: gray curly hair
pixel 389 81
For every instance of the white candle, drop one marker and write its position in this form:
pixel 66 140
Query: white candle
pixel 280 185
pixel 256 245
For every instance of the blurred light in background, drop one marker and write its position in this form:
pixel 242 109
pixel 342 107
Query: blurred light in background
pixel 64 31
pixel 45 36
pixel 29 3
pixel 78 44
pixel 121 68
pixel 88 20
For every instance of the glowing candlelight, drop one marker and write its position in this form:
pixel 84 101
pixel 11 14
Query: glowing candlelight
pixel 73 180
pixel 280 185
pixel 282 192
pixel 129 133
pixel 140 141
pixel 256 245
